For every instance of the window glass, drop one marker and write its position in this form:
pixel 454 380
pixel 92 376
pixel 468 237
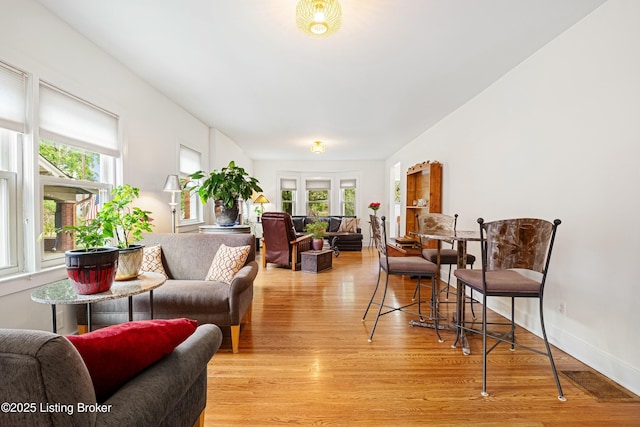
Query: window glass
pixel 66 203
pixel 349 201
pixel 10 210
pixel 190 207
pixel 288 201
pixel 318 202
pixel 348 197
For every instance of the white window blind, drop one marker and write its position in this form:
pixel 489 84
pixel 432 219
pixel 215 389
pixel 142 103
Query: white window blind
pixel 70 120
pixel 318 184
pixel 288 184
pixel 347 183
pixel 13 98
pixel 189 160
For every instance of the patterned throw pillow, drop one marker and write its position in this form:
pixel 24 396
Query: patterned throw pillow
pixel 227 262
pixel 348 225
pixel 152 260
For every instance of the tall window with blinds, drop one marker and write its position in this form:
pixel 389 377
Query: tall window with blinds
pixel 13 125
pixel 288 187
pixel 348 197
pixel 78 148
pixel 318 196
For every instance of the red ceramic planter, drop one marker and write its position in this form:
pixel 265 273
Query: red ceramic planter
pixel 93 271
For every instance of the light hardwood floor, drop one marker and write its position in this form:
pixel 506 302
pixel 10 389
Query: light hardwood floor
pixel 305 360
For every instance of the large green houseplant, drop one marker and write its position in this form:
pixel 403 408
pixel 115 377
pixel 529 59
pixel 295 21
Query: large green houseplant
pixel 125 224
pixel 225 187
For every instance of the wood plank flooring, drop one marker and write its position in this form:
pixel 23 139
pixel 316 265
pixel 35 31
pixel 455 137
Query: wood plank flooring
pixel 305 360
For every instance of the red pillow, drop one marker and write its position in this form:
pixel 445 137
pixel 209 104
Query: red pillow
pixel 115 354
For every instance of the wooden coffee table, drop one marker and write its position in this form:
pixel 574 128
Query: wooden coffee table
pixel 316 261
pixel 62 292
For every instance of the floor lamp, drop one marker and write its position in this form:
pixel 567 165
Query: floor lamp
pixel 172 184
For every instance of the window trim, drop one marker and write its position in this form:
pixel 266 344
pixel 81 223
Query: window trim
pixel 14 264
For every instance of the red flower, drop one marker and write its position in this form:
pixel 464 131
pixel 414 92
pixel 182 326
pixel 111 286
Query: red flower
pixel 374 206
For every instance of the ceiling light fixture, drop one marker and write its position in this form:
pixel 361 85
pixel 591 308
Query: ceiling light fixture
pixel 319 18
pixel 317 147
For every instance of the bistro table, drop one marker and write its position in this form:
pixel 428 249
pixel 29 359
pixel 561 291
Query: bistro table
pixel 461 237
pixel 62 292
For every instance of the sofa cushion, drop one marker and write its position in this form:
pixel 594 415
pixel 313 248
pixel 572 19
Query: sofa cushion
pixel 348 225
pixel 152 260
pixel 334 224
pixel 115 354
pixel 298 224
pixel 227 262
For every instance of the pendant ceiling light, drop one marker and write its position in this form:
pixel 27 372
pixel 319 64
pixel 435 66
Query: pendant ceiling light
pixel 319 18
pixel 317 147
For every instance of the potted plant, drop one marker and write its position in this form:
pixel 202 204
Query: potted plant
pixel 125 224
pixel 317 230
pixel 91 267
pixel 225 187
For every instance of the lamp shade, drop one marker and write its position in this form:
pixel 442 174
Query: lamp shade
pixel 317 147
pixel 319 18
pixel 172 183
pixel 261 199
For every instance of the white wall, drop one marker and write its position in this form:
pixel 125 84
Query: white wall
pixel 558 137
pixel 33 39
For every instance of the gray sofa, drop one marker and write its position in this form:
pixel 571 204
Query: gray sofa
pixel 186 259
pixel 45 369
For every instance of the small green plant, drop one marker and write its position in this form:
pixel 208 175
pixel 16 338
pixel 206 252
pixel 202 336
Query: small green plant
pixel 87 236
pixel 316 229
pixel 121 221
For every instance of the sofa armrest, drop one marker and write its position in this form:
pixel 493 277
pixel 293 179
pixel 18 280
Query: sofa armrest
pixel 150 397
pixel 244 278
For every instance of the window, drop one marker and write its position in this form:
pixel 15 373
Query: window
pixel 9 154
pixel 348 197
pixel 13 107
pixel 318 197
pixel 77 158
pixel 288 189
pixel 190 208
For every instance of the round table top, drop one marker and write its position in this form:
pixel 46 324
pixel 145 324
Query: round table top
pixel 62 292
pixel 449 235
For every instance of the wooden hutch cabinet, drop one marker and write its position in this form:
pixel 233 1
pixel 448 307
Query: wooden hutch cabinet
pixel 424 192
pixel 423 195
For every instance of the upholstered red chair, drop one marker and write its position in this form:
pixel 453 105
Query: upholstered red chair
pixel 280 244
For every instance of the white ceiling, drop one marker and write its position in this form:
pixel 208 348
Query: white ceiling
pixel 395 68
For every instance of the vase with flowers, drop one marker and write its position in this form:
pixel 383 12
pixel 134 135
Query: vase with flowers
pixel 374 206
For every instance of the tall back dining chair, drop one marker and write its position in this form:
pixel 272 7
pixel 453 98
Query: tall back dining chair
pixel 281 245
pixel 448 256
pixel 414 266
pixel 515 263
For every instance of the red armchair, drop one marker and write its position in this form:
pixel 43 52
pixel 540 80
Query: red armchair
pixel 280 244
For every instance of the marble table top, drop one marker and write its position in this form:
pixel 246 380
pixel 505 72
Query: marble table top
pixel 62 292
pixel 449 235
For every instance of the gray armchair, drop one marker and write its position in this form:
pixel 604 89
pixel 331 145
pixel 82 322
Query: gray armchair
pixel 46 383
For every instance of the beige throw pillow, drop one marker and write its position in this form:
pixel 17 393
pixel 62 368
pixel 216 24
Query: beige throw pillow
pixel 152 260
pixel 348 225
pixel 227 262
